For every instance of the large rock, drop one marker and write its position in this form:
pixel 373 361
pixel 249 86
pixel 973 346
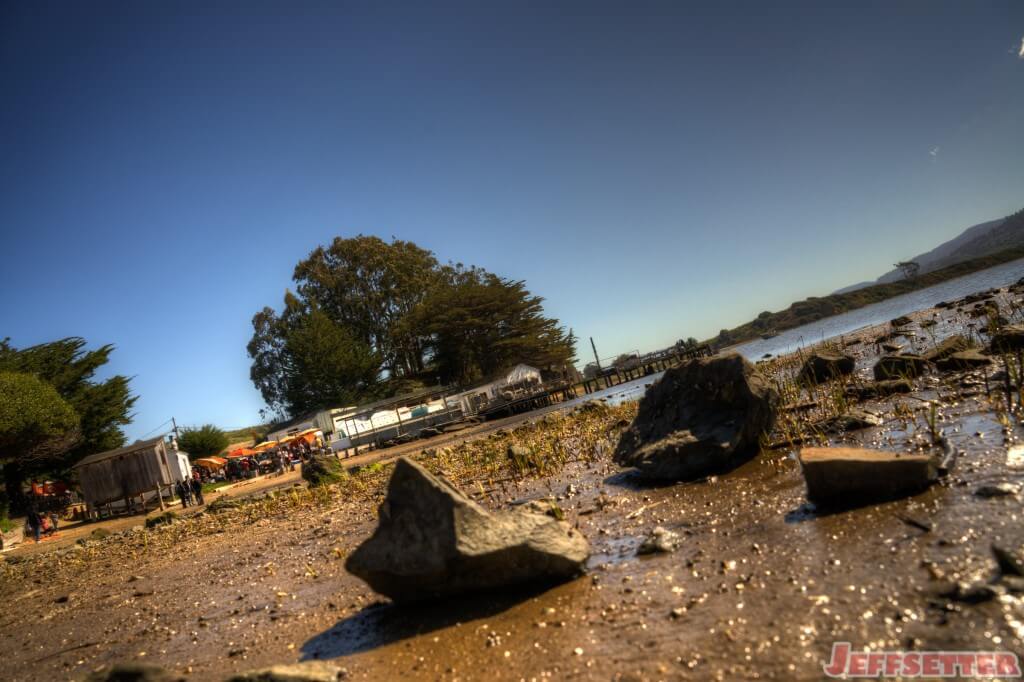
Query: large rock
pixel 952 344
pixel 704 416
pixel 1009 338
pixel 433 541
pixel 823 366
pixel 848 477
pixel 900 366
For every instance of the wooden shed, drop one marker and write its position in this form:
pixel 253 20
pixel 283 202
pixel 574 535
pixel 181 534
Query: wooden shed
pixel 127 473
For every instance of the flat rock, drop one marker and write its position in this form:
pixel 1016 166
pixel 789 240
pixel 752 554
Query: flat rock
pixel 901 321
pixel 308 671
pixel 964 360
pixel 701 417
pixel 1009 338
pixel 900 366
pixel 848 477
pixel 951 344
pixel 851 420
pixel 823 366
pixel 433 541
pixel 134 672
pixel 880 389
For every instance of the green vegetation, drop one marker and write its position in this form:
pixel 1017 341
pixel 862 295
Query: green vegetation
pixel 202 441
pixel 370 319
pixel 55 414
pixel 323 471
pixel 813 309
pixel 210 486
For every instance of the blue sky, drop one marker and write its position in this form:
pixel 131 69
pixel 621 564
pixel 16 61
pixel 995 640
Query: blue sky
pixel 654 170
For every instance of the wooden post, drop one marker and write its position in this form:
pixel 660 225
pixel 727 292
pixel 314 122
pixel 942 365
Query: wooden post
pixel 159 496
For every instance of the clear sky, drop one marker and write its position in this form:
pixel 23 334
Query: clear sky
pixel 654 170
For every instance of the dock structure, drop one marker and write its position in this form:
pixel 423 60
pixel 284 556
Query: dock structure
pixel 645 366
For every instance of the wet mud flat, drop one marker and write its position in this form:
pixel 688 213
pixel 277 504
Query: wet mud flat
pixel 760 587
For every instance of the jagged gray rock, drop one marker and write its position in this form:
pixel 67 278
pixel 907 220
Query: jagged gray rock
pixel 703 416
pixel 433 541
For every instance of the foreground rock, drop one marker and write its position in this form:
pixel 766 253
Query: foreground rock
pixel 433 541
pixel 823 366
pixel 849 477
pixel 900 366
pixel 701 417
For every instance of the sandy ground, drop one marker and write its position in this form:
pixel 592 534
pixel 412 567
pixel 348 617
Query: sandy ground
pixel 761 587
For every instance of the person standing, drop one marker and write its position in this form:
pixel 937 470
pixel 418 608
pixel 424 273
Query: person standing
pixel 180 489
pixel 34 523
pixel 197 490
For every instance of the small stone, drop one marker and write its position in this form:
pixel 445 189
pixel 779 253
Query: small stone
pixel 660 540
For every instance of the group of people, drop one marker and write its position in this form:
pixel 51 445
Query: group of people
pixel 190 491
pixel 39 523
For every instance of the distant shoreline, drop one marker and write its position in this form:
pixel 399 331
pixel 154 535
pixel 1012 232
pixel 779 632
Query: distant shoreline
pixel 814 308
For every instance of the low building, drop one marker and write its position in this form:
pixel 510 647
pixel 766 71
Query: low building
pixel 142 470
pixel 520 380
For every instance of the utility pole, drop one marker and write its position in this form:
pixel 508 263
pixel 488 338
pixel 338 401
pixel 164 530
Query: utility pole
pixel 175 425
pixel 596 360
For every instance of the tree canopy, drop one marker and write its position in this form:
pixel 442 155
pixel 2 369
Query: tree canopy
pixel 369 318
pixel 202 441
pixel 86 416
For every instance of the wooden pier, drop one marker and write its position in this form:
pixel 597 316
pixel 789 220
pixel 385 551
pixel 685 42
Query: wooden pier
pixel 613 376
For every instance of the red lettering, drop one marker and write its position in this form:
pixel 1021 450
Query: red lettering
pixel 911 664
pixel 837 664
pixel 859 663
pixel 893 663
pixel 1007 665
pixel 986 664
pixel 930 664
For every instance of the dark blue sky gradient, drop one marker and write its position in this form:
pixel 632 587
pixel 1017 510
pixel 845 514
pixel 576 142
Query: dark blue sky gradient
pixel 655 170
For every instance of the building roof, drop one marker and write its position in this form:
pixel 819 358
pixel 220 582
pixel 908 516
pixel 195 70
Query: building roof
pixel 100 456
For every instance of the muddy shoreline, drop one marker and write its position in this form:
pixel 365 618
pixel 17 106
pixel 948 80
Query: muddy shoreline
pixel 761 587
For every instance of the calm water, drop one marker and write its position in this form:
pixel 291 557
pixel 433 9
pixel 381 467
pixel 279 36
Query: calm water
pixel 879 313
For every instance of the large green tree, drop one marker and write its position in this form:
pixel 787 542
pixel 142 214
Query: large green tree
pixel 101 407
pixel 202 441
pixel 37 426
pixel 478 324
pixel 370 318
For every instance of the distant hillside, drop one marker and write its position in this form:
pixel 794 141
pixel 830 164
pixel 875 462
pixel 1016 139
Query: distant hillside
pixel 977 241
pixel 948 253
pixel 814 308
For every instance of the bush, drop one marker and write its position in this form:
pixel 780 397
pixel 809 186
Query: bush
pixel 323 471
pixel 203 441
